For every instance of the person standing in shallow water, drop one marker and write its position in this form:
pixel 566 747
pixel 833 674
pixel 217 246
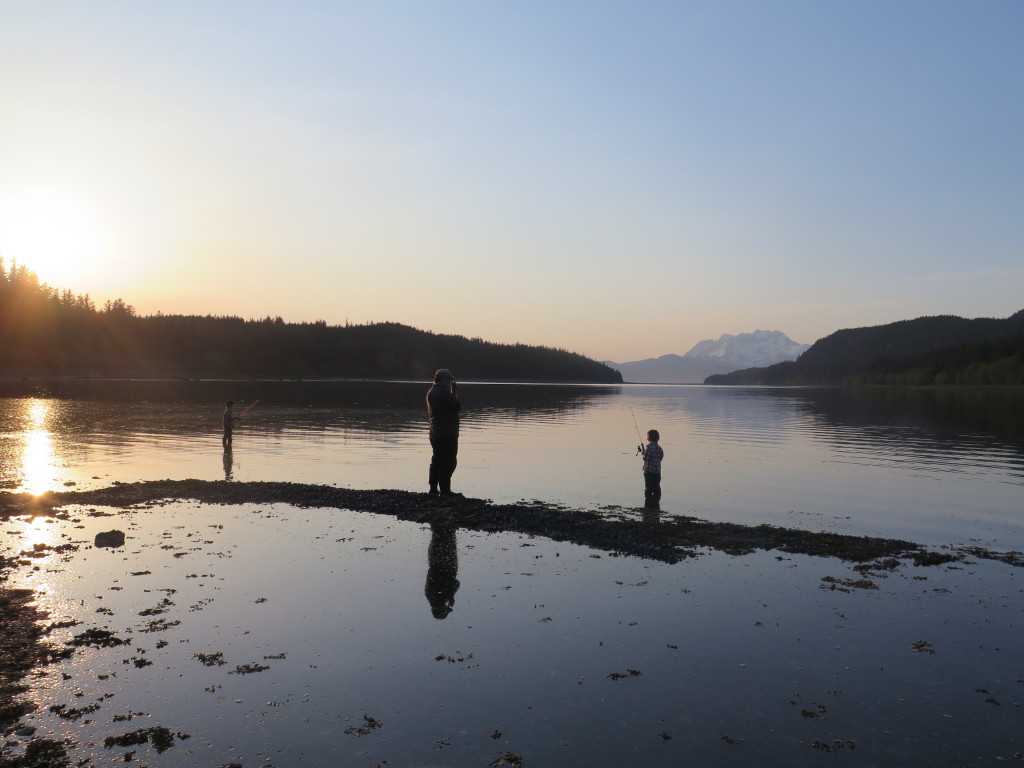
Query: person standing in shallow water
pixel 653 454
pixel 229 423
pixel 443 408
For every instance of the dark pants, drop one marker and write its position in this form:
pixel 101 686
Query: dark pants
pixel 652 485
pixel 443 462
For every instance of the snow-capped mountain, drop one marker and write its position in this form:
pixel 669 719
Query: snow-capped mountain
pixel 723 355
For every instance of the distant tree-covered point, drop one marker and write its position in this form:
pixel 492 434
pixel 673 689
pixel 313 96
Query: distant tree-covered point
pixel 943 350
pixel 45 331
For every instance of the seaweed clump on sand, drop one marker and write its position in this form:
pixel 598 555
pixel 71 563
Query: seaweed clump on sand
pixel 23 647
pixel 670 539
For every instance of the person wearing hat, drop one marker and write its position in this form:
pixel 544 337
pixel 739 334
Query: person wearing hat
pixel 443 407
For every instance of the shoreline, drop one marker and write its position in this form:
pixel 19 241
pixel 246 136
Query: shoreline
pixel 668 538
pixel 665 538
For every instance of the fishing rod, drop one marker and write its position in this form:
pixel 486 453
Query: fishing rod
pixel 249 408
pixel 640 445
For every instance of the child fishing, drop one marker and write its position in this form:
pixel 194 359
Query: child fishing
pixel 652 455
pixel 229 419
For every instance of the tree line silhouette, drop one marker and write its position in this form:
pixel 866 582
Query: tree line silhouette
pixel 46 331
pixel 938 350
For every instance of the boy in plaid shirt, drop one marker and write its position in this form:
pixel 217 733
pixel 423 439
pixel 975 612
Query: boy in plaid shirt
pixel 653 454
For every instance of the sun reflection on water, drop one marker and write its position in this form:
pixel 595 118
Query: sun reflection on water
pixel 38 462
pixel 38 532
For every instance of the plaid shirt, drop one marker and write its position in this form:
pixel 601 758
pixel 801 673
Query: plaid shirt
pixel 653 454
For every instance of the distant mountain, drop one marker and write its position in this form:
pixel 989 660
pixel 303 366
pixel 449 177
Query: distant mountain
pixel 711 356
pixel 929 350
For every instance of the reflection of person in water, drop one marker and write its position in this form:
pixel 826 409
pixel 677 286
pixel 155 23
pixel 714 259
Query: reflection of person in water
pixel 442 569
pixel 229 464
pixel 651 514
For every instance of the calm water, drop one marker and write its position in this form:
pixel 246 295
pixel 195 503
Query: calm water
pixel 934 466
pixel 335 653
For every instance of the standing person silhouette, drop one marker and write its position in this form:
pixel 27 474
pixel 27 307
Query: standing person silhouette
pixel 653 455
pixel 443 408
pixel 229 423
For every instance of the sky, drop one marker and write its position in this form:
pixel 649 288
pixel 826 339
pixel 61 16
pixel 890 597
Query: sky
pixel 619 179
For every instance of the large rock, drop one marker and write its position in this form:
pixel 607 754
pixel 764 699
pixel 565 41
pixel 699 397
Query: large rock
pixel 110 539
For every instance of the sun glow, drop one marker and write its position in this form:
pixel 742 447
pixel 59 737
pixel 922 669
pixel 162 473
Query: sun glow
pixel 51 233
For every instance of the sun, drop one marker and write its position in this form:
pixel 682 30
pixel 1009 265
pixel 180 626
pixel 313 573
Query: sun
pixel 51 233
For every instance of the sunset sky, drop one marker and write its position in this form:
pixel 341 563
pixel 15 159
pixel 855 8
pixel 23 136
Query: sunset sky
pixel 621 179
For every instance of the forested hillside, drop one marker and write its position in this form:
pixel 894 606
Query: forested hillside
pixel 45 331
pixel 928 350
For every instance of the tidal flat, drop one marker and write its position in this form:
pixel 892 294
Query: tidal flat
pixel 279 624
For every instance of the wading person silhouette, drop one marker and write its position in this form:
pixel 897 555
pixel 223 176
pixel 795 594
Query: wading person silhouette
pixel 653 454
pixel 230 417
pixel 229 423
pixel 443 408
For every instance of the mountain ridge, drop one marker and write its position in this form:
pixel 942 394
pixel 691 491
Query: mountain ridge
pixel 49 332
pixel 726 353
pixel 938 349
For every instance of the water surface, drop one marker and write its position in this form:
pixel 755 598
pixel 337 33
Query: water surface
pixel 935 466
pixel 277 636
